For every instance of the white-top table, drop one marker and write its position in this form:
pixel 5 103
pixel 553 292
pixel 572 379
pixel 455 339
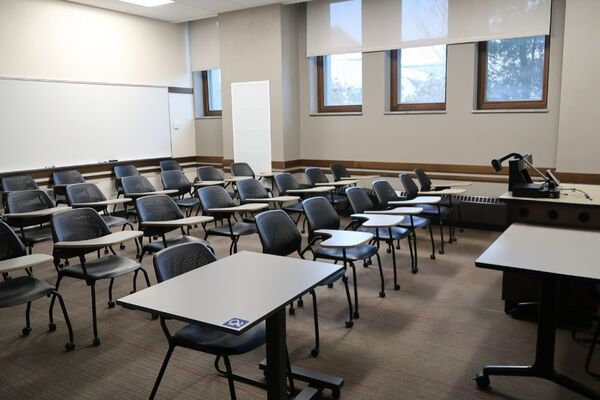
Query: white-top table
pixel 313 190
pixel 337 183
pixel 359 177
pixel 274 200
pixel 179 222
pixel 106 203
pixel 549 252
pixel 567 196
pixel 47 212
pixel 208 183
pixel 416 200
pixel 244 207
pixel 398 211
pixel 383 221
pixel 103 241
pixel 235 294
pixel 445 192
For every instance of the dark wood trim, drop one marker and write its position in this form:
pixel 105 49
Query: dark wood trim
pixel 181 90
pixel 209 160
pixel 321 107
pixel 482 104
pixel 395 56
pixel 205 98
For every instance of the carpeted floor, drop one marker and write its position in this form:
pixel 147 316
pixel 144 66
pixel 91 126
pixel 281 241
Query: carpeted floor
pixel 425 341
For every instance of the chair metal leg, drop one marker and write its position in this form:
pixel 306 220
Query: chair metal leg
pixel 349 322
pixel 162 371
pixel 355 284
pixel 96 341
pixel 51 324
pixel 70 345
pixel 441 222
pixel 382 292
pixel 230 378
pixel 413 264
pixel 111 303
pixel 588 359
pixel 27 330
pixel 432 243
pixel 315 351
pixel 146 277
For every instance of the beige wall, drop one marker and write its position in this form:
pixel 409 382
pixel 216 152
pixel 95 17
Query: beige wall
pixel 251 51
pixel 58 40
pixel 209 136
pixel 579 138
pixel 458 136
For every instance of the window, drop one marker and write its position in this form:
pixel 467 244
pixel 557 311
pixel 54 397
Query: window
pixel 418 79
pixel 513 73
pixel 207 93
pixel 339 83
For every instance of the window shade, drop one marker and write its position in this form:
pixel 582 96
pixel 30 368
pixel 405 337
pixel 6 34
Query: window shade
pixel 204 44
pixel 344 26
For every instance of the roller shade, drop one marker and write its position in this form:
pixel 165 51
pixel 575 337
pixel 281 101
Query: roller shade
pixel 204 44
pixel 346 26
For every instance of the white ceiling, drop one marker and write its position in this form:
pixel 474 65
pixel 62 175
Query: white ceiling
pixel 181 10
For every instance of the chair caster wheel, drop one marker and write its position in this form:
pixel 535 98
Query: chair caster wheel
pixel 381 294
pixel 366 265
pixel 432 256
pixel 314 353
pixel 96 342
pixel 70 346
pixel 442 251
pixel 51 327
pixel 26 331
pixel 356 315
pixel 482 381
pixel 122 246
pixel 349 323
pixel 111 304
pixel 300 303
pixel 330 285
pixel 105 251
pixel 292 311
pixel 154 317
pixel 396 287
pixel 415 270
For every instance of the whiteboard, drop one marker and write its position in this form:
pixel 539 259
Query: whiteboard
pixel 50 123
pixel 251 118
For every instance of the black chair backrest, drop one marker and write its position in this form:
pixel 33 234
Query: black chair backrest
pixel 410 187
pixel 242 169
pixel 359 200
pixel 314 175
pixel 67 177
pixel 169 165
pixel 176 180
pixel 384 192
pixel 157 208
pixel 251 189
pixel 424 180
pixel 19 182
pixel 28 200
pixel 214 197
pixel 286 181
pixel 208 173
pixel 10 244
pixel 278 234
pixel 181 258
pixel 320 214
pixel 74 225
pixel 339 172
pixel 121 171
pixel 84 193
pixel 137 184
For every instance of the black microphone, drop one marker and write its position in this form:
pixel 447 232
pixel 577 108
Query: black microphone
pixel 497 163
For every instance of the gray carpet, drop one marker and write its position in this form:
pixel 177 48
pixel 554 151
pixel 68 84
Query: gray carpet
pixel 425 341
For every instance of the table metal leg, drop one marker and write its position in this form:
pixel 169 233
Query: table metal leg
pixel 377 240
pixel 276 356
pixel 396 286
pixel 543 367
pixel 356 315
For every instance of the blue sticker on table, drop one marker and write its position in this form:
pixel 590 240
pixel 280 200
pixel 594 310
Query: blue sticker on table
pixel 236 323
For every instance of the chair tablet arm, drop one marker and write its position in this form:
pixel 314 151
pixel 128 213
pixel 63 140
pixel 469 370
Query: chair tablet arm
pixel 15 264
pixel 103 241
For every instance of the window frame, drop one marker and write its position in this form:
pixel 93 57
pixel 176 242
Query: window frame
pixel 205 98
pixel 321 107
pixel 395 105
pixel 483 104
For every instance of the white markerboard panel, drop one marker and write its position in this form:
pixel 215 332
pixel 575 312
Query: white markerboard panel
pixel 46 123
pixel 251 119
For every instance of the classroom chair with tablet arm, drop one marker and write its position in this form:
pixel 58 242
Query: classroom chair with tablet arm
pixel 31 228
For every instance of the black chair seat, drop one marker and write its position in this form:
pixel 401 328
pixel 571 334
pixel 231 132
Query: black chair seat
pixel 158 245
pixel 384 233
pixel 216 342
pixel 187 202
pixel 113 221
pixel 23 289
pixel 418 222
pixel 238 228
pixel 337 199
pixel 103 268
pixel 36 235
pixel 297 207
pixel 354 254
pixel 431 209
